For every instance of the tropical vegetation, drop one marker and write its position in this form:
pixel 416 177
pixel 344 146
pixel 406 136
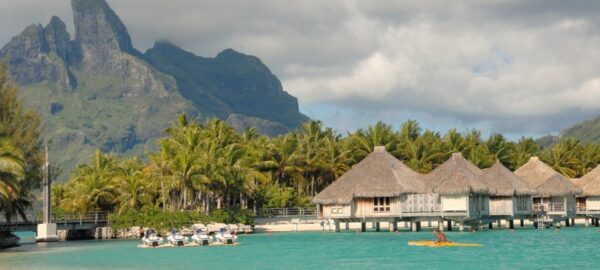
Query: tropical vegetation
pixel 20 158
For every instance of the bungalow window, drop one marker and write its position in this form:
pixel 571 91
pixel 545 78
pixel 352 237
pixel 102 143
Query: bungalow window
pixel 381 204
pixel 337 210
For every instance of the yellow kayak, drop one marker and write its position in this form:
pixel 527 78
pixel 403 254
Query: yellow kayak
pixel 429 243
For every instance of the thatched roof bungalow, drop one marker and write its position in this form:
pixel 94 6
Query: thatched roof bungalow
pixel 555 195
pixel 371 188
pixel 509 196
pixel 457 181
pixel 589 201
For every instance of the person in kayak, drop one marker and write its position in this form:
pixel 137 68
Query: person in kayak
pixel 441 237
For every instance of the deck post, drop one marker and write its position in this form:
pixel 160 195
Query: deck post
pixel 522 223
pixel 393 225
pixel 418 225
pixel 429 223
pixel 535 224
pixel 337 225
pixel 567 223
pixel 507 223
pixel 511 224
pixel 573 222
pixel 413 226
pixel 461 227
pixel 491 225
pixel 587 222
pixel 596 222
pixel 499 223
pixel 363 226
pixel 347 225
pixel 377 226
pixel 449 224
pixel 373 226
pixel 405 224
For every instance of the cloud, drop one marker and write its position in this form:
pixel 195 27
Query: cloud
pixel 518 67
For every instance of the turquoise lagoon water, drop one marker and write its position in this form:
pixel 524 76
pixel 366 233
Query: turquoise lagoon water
pixel 572 248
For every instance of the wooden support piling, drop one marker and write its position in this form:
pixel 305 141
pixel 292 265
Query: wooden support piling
pixel 337 225
pixel 363 226
pixel 522 223
pixel 347 225
pixel 393 225
pixel 491 225
pixel 511 224
pixel 377 226
pixel 449 225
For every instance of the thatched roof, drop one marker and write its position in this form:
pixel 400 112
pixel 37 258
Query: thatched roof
pixel 377 175
pixel 456 176
pixel 590 183
pixel 534 172
pixel 557 185
pixel 503 182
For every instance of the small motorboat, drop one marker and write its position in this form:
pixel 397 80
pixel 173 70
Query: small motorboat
pixel 200 237
pixel 225 237
pixel 151 238
pixel 176 239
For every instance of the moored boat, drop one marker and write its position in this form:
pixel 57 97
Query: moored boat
pixel 200 237
pixel 176 239
pixel 226 237
pixel 151 238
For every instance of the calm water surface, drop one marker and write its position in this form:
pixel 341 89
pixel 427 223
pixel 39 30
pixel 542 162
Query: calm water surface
pixel 571 248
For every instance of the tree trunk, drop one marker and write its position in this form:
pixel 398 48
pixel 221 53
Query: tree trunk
pixel 164 198
pixel 312 185
pixel 184 198
pixel 219 199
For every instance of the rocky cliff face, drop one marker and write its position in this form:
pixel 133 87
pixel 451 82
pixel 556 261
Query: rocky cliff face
pixel 97 91
pixel 38 55
pixel 231 83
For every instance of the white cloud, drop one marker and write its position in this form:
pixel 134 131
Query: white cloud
pixel 526 67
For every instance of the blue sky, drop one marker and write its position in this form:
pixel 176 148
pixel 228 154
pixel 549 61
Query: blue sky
pixel 513 67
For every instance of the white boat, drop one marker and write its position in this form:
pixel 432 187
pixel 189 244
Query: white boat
pixel 151 238
pixel 176 239
pixel 202 238
pixel 226 237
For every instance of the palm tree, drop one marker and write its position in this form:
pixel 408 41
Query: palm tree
pixel 364 142
pixel 562 157
pixel 92 187
pixel 12 200
pixel 132 190
pixel 521 152
pixel 157 172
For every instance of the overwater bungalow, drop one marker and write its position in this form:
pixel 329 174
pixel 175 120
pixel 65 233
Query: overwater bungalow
pixel 588 203
pixel 510 198
pixel 376 189
pixel 554 199
pixel 463 196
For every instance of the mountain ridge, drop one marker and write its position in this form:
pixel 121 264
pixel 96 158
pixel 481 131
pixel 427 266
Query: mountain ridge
pixel 96 91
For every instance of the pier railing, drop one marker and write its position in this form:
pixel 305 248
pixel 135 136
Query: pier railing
pixel 96 217
pixel 288 212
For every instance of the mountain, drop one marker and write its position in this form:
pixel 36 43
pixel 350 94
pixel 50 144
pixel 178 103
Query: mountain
pixel 586 131
pixel 96 91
